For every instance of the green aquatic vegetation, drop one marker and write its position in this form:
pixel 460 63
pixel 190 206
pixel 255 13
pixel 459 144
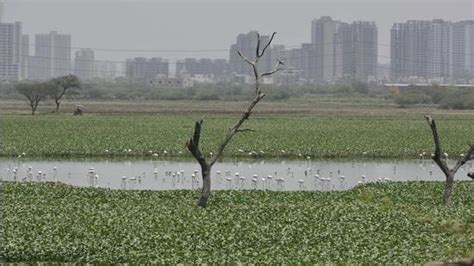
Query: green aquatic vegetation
pixel 380 223
pixel 285 136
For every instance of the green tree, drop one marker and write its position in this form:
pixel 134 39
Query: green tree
pixel 35 92
pixel 62 85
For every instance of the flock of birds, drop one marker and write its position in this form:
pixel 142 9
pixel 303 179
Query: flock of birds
pixel 313 179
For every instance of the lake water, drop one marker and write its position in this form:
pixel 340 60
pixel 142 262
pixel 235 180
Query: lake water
pixel 285 175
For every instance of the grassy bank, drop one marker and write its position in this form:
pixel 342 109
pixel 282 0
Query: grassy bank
pixel 376 223
pixel 276 136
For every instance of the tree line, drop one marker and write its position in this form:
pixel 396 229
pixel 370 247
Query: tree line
pixel 444 97
pixel 54 89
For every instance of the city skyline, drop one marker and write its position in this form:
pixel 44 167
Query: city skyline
pixel 337 49
pixel 206 16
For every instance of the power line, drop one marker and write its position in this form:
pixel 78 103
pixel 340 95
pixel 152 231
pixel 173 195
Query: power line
pixel 212 50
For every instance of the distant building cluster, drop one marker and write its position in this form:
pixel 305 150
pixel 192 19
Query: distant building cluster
pixel 434 50
pixel 338 50
pixel 420 52
pixel 144 69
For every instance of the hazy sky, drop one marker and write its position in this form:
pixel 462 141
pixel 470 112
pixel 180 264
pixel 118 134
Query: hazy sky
pixel 211 24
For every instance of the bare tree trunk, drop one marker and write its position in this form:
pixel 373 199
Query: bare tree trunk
pixel 206 185
pixel 448 189
pixel 443 165
pixel 193 143
pixel 33 108
pixel 58 103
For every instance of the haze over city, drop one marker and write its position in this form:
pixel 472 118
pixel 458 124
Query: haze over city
pixel 212 25
pixel 249 132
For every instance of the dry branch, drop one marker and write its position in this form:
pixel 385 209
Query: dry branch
pixel 193 143
pixel 443 165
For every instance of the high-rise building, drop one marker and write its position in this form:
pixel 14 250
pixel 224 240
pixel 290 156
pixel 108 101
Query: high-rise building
pixel 10 51
pixel 54 51
pixel 246 43
pixel 440 49
pixel 144 69
pixel 463 50
pixel 362 63
pixel 326 36
pixel 343 50
pixel 25 54
pixel 421 49
pixel 84 64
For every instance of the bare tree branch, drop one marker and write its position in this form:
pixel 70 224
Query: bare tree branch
pixel 437 154
pixel 235 129
pixel 245 58
pixel 268 44
pixel 257 53
pixel 271 72
pixel 463 160
pixel 193 143
pixel 449 173
pixel 278 67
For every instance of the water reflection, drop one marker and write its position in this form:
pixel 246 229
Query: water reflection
pixel 236 175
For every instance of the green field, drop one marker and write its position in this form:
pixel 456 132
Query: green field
pixel 275 135
pixel 390 223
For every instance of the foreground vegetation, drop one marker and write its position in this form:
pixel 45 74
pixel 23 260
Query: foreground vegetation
pixel 375 223
pixel 282 136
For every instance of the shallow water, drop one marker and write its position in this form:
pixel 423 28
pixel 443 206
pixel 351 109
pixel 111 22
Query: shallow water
pixel 285 175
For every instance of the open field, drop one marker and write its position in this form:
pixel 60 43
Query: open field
pixel 275 135
pixel 390 223
pixel 308 106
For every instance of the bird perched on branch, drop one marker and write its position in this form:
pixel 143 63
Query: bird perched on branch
pixel 471 175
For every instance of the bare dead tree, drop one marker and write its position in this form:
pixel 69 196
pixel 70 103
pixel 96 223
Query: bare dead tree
pixel 193 143
pixel 443 165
